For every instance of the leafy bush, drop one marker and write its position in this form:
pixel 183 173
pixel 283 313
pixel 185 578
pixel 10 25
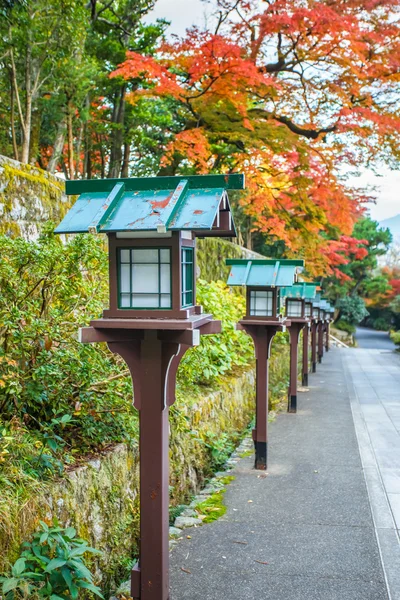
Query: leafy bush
pixel 218 354
pixel 352 309
pixel 381 324
pixel 344 326
pixel 395 337
pixel 51 566
pixel 49 381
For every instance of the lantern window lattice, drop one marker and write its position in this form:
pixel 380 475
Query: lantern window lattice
pixel 294 308
pixel 187 277
pixel 262 303
pixel 144 277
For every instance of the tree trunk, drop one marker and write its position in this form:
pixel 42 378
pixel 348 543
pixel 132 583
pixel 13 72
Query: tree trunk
pixel 70 142
pixel 125 164
pixel 58 147
pixel 35 136
pixel 117 135
pixel 28 107
pixel 12 116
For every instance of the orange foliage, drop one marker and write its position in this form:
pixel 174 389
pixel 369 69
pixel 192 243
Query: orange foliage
pixel 286 95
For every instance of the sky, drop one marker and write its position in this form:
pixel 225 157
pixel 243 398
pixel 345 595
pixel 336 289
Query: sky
pixel 184 13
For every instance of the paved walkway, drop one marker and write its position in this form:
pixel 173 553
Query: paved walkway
pixel 372 339
pixel 304 531
pixel 374 387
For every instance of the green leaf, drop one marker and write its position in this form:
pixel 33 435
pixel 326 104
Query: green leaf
pixel 55 597
pixel 81 569
pixel 55 563
pixel 19 567
pixel 67 575
pixel 10 584
pixel 70 532
pixel 43 538
pixel 91 587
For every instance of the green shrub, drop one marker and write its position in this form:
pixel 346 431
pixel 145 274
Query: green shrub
pixel 381 324
pixel 395 337
pixel 352 309
pixel 51 566
pixel 218 354
pixel 345 326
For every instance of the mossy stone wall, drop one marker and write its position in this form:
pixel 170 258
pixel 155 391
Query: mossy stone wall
pixel 100 498
pixel 29 198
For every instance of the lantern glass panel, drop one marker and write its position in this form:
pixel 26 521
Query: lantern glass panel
pixel 315 312
pixel 262 303
pixel 308 310
pixel 294 308
pixel 144 278
pixel 187 277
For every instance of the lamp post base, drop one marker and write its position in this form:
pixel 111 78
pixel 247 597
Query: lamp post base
pixel 304 380
pixel 261 453
pixel 292 404
pixel 314 367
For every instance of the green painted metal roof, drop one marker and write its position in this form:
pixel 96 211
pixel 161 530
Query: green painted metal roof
pixel 195 203
pixel 259 272
pixel 302 289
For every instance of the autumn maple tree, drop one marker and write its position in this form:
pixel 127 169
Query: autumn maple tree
pixel 289 92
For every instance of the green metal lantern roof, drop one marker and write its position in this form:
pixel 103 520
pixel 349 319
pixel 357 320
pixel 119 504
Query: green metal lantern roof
pixel 198 203
pixel 302 289
pixel 259 273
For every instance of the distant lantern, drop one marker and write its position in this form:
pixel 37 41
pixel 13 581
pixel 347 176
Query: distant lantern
pixel 263 279
pixel 295 300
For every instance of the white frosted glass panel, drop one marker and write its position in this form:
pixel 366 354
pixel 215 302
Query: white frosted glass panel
pixel 125 278
pixel 294 308
pixel 144 301
pixel 147 255
pixel 165 300
pixel 145 278
pixel 125 300
pixel 165 256
pixel 125 256
pixel 261 303
pixel 165 277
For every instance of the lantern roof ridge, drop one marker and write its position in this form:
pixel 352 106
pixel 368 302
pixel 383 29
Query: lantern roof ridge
pixel 263 272
pixel 196 203
pixel 302 289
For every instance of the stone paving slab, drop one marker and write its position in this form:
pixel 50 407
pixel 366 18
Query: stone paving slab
pixel 309 519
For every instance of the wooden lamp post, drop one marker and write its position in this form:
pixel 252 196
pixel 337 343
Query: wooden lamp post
pixel 331 312
pixel 314 332
pixel 322 328
pixel 296 306
pixel 152 319
pixel 263 279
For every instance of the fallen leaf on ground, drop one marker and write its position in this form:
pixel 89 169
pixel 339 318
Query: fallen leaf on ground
pixel 262 562
pixel 186 570
pixel 249 501
pixel 238 542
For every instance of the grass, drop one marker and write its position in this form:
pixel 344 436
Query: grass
pixel 214 508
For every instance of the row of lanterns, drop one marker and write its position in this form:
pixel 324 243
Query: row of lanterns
pixel 152 224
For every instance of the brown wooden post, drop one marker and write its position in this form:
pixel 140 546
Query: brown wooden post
pixel 327 333
pixel 320 330
pixel 149 362
pixel 294 333
pixel 305 364
pixel 314 327
pixel 262 336
pixel 152 350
